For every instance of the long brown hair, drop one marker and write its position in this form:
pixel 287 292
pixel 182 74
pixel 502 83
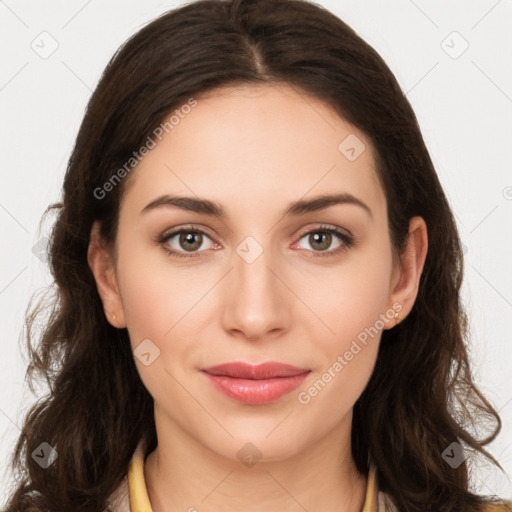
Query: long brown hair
pixel 421 397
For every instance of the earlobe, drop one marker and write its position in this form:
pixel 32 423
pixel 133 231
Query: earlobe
pixel 410 267
pixel 102 266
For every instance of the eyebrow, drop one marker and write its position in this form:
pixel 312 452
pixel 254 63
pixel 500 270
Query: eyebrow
pixel 300 207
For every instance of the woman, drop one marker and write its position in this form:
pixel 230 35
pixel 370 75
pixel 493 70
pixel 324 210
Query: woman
pixel 258 282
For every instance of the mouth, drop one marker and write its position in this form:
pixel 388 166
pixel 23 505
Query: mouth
pixel 255 384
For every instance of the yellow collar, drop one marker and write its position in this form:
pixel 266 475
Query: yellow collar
pixel 139 500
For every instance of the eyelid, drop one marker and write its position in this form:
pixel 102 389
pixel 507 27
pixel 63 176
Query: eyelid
pixel 326 227
pixel 187 228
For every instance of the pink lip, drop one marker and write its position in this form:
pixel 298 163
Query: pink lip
pixel 256 385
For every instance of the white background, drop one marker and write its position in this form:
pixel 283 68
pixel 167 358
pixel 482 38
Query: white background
pixel 463 104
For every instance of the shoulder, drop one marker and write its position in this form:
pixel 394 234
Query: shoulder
pixel 386 504
pixel 119 500
pixel 503 506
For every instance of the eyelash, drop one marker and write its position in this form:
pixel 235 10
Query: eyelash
pixel 348 241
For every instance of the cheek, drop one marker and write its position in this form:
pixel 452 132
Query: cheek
pixel 156 293
pixel 347 301
pixel 347 351
pixel 160 305
pixel 352 306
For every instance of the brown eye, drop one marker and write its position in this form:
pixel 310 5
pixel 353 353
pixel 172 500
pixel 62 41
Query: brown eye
pixel 190 240
pixel 180 242
pixel 321 239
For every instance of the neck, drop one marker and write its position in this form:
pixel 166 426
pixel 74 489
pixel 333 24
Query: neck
pixel 182 474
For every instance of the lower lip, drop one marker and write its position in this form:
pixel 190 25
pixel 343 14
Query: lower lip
pixel 256 392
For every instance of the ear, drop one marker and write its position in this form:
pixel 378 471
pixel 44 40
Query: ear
pixel 101 263
pixel 406 277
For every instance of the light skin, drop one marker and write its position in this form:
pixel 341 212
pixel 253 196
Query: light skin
pixel 254 151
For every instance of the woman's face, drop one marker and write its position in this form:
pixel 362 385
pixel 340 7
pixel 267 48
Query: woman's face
pixel 256 285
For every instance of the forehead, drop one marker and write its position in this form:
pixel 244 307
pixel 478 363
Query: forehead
pixel 256 146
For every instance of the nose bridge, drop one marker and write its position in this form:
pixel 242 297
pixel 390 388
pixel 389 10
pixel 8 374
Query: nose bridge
pixel 256 303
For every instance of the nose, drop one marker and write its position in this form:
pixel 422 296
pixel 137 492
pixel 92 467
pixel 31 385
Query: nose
pixel 257 302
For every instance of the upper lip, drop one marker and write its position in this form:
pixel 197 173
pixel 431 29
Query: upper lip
pixel 257 372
